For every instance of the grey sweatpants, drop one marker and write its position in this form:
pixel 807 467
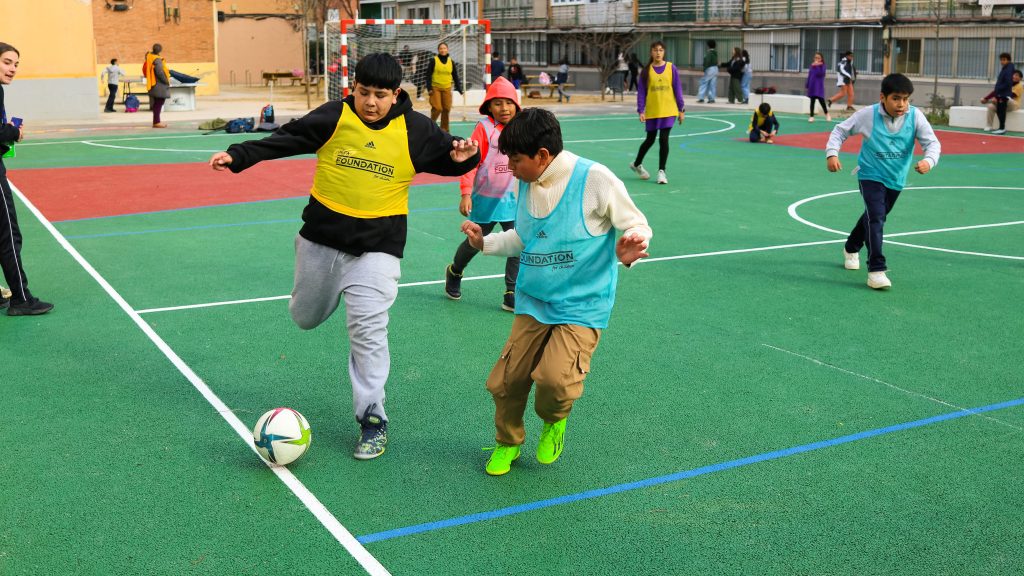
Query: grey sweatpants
pixel 369 284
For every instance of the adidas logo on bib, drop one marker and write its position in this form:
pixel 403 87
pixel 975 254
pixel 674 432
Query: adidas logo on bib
pixel 541 234
pixel 370 145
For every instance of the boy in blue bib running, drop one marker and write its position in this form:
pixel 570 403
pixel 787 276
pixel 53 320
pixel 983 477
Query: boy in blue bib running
pixel 568 211
pixel 889 129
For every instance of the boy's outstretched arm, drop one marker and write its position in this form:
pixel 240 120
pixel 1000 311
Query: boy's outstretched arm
pixel 630 248
pixel 474 234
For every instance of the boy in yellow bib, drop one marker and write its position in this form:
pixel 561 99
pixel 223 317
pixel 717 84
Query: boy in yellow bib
pixel 368 146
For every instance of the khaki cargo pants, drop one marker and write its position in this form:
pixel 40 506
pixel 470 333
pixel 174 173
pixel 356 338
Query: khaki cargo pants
pixel 555 357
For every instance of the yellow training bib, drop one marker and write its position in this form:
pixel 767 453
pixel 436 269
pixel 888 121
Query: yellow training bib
pixel 442 77
pixel 364 173
pixel 661 99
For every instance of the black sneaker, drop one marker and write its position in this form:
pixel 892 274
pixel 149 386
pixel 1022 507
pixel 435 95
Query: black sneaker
pixel 373 437
pixel 33 307
pixel 509 301
pixel 4 302
pixel 452 283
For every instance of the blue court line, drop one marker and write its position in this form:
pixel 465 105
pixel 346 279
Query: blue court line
pixel 710 469
pixel 212 226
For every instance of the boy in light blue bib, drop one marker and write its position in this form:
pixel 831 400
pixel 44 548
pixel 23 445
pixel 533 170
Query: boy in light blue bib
pixel 564 236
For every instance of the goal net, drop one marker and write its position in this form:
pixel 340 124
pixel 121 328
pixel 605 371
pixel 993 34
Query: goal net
pixel 413 43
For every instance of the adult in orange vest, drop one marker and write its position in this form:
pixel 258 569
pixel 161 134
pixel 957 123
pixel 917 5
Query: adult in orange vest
pixel 442 76
pixel 158 83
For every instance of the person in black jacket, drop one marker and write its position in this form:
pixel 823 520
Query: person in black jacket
pixel 442 78
pixel 736 66
pixel 21 302
pixel 368 146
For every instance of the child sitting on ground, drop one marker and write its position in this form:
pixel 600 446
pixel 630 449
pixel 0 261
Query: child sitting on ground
pixel 763 125
pixel 488 191
pixel 569 209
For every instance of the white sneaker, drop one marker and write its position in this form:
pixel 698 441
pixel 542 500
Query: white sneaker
pixel 851 261
pixel 640 171
pixel 810 119
pixel 987 128
pixel 878 280
pixel 999 131
pixel 662 179
pixel 828 117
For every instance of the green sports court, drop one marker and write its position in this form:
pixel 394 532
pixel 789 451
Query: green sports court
pixel 754 408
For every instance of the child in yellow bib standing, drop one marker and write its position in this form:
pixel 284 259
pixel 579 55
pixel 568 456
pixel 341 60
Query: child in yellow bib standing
pixel 368 147
pixel 659 101
pixel 443 75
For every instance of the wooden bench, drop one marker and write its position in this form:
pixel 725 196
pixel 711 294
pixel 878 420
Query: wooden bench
pixel 531 83
pixel 275 77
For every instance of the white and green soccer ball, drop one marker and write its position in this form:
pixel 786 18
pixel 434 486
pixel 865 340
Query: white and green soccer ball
pixel 281 436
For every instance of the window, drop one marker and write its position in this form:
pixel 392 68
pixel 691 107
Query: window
pixel 938 61
pixel 785 57
pixel 907 56
pixel 972 58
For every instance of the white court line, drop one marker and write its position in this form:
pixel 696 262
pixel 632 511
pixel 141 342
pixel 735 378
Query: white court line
pixel 90 143
pixel 288 296
pixel 644 261
pixel 125 139
pixel 793 214
pixel 340 533
pixel 893 386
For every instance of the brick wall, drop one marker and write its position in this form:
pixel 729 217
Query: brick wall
pixel 128 35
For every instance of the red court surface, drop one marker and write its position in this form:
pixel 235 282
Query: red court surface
pixel 952 143
pixel 76 193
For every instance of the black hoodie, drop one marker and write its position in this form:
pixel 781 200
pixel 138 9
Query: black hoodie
pixel 429 148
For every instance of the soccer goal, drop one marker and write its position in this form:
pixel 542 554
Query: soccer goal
pixel 413 43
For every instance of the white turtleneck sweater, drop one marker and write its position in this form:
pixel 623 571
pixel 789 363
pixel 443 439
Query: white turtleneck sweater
pixel 606 204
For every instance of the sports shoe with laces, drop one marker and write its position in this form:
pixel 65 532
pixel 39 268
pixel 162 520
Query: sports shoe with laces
pixel 640 171
pixel 452 283
pixel 501 459
pixel 552 439
pixel 999 131
pixel 508 302
pixel 851 260
pixel 878 280
pixel 373 437
pixel 662 178
pixel 33 307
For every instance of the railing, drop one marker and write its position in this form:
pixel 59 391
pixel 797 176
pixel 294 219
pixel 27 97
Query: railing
pixel 719 11
pixel 597 15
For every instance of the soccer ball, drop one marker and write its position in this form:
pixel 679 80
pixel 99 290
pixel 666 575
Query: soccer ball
pixel 281 435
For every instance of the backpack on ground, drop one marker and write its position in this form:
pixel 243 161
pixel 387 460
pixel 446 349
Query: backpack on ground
pixel 239 125
pixel 267 114
pixel 131 103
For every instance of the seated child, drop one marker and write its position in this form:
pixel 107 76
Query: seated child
pixel 763 125
pixel 569 209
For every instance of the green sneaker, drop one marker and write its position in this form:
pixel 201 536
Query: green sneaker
pixel 501 459
pixel 552 439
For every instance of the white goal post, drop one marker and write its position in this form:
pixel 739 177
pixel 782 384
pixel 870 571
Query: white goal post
pixel 412 42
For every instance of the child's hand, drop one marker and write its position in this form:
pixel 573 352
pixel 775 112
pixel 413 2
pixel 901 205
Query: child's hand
pixel 463 150
pixel 220 160
pixel 630 248
pixel 466 205
pixel 643 117
pixel 923 167
pixel 833 164
pixel 474 234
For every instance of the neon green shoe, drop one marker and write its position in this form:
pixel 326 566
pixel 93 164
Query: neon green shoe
pixel 551 441
pixel 501 459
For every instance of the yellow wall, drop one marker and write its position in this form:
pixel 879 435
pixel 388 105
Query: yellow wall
pixel 54 37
